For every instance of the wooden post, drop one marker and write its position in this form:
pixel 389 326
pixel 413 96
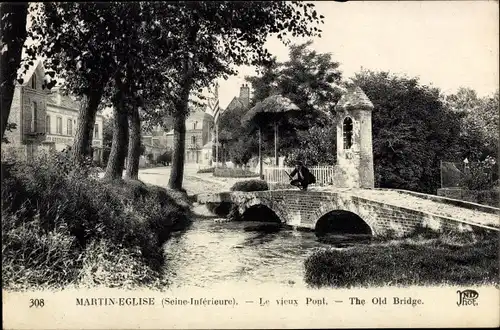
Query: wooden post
pixel 261 171
pixel 276 143
pixel 217 145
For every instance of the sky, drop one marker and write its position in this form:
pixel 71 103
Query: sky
pixel 447 44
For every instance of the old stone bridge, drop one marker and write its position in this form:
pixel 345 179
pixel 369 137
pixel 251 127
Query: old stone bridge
pixel 379 210
pixel 350 196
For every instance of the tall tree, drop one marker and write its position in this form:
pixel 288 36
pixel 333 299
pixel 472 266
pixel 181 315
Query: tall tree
pixel 99 50
pixel 317 146
pixel 479 123
pixel 217 36
pixel 312 81
pixel 412 131
pixel 79 41
pixel 13 35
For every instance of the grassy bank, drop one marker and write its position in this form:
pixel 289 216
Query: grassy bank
pixel 422 258
pixel 62 225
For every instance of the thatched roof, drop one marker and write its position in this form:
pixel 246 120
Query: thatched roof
pixel 269 107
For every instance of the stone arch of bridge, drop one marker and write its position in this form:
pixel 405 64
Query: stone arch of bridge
pixel 273 206
pixel 324 211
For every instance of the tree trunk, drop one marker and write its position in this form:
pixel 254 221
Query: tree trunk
pixel 177 172
pixel 116 161
pixel 13 35
pixel 85 126
pixel 181 112
pixel 134 145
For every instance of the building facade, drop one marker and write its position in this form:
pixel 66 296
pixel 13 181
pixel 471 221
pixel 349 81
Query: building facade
pixel 45 120
pixel 61 122
pixel 199 127
pixel 27 112
pixel 200 135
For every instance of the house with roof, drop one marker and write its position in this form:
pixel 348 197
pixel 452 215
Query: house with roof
pixel 243 100
pixel 200 135
pixel 28 111
pixel 45 119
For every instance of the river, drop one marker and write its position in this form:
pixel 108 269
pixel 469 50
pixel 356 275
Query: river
pixel 212 253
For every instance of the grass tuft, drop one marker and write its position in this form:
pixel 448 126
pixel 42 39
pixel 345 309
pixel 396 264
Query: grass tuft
pixel 424 257
pixel 62 225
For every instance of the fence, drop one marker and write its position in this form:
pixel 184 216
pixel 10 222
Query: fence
pixel 324 174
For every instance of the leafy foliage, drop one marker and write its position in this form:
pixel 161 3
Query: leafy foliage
pixel 480 175
pixel 13 27
pixel 221 35
pixel 479 123
pixel 165 158
pixel 427 258
pixel 250 185
pixel 412 131
pixel 311 80
pixel 318 146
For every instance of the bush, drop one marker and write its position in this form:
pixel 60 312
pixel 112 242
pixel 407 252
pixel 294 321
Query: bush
pixel 480 175
pixel 52 205
pixel 165 158
pixel 206 170
pixel 234 173
pixel 250 185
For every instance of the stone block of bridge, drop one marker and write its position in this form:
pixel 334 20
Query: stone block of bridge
pixel 304 209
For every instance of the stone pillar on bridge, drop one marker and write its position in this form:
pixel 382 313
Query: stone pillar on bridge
pixel 354 139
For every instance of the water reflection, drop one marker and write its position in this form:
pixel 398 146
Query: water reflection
pixel 211 253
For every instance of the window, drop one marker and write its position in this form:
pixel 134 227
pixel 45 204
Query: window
pixel 59 125
pixel 34 116
pixel 96 131
pixel 69 127
pixel 193 140
pixel 194 124
pixel 347 128
pixel 33 81
pixel 47 124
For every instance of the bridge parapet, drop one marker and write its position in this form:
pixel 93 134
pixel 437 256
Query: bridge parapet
pixel 382 213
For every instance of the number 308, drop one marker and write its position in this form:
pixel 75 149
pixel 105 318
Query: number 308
pixel 36 303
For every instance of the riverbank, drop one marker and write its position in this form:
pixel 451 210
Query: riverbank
pixel 64 226
pixel 426 258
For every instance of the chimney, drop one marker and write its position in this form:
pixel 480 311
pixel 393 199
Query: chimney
pixel 245 95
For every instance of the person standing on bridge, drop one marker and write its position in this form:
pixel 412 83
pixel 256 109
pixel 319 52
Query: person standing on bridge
pixel 304 176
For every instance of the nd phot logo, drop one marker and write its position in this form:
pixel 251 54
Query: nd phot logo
pixel 467 298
